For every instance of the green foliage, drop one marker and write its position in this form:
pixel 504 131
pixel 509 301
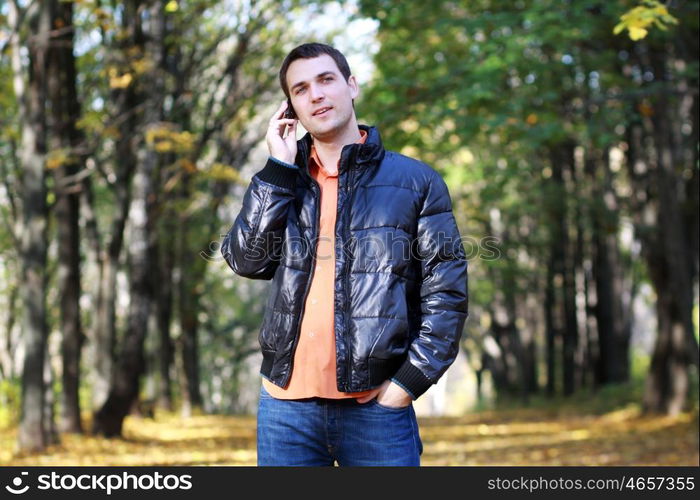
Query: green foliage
pixel 490 92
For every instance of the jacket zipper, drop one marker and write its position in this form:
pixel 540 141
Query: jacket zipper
pixel 346 276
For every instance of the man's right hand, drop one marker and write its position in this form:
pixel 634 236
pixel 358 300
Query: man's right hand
pixel 281 147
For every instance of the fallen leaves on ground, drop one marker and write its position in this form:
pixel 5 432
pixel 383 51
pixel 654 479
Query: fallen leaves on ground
pixel 498 437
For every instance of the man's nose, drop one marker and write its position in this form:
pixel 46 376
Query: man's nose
pixel 316 93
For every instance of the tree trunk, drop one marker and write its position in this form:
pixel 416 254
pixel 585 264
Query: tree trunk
pixel 130 366
pixel 676 347
pixel 49 402
pixel 104 329
pixel 479 383
pixel 510 365
pixel 612 316
pixel 551 332
pixel 581 267
pixel 165 308
pixel 63 137
pixel 692 205
pixel 103 334
pixel 188 304
pixel 667 385
pixel 517 343
pixel 7 350
pixel 33 434
pixel 124 389
pixel 564 274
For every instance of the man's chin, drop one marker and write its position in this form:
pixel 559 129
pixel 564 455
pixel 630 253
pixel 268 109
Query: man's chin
pixel 322 132
pixel 325 131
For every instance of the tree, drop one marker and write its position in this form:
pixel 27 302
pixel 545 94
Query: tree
pixel 33 433
pixel 200 87
pixel 663 166
pixel 66 163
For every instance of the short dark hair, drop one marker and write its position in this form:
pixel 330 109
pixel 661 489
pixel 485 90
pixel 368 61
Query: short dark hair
pixel 309 51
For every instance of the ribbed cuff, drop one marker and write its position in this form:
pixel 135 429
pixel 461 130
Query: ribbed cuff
pixel 412 379
pixel 283 163
pixel 279 175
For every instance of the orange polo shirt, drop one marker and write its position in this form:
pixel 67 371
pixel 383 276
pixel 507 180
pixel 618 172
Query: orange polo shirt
pixel 314 374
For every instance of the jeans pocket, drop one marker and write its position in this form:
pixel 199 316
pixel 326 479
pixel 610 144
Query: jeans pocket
pixel 377 404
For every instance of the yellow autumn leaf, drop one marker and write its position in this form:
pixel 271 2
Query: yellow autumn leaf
pixel 154 133
pixel 57 158
pixel 163 146
pixel 53 163
pixel 120 82
pixel 171 6
pixel 220 171
pixel 637 33
pixel 184 141
pixel 660 10
pixel 181 142
pixel 638 19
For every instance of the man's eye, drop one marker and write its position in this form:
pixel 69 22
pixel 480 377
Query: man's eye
pixel 299 91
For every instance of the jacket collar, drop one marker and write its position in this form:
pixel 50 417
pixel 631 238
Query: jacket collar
pixel 357 156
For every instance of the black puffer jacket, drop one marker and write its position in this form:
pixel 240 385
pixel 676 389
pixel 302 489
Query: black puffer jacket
pixel 400 275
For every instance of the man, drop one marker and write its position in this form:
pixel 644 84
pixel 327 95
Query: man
pixel 369 292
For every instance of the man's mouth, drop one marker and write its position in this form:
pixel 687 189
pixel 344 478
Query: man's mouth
pixel 322 111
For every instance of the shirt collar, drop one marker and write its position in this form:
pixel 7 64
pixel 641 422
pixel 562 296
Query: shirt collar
pixel 315 162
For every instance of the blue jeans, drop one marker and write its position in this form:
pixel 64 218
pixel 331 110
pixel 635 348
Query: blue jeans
pixel 319 432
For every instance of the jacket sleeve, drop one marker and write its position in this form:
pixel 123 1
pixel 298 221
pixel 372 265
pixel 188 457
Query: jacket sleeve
pixel 253 245
pixel 443 293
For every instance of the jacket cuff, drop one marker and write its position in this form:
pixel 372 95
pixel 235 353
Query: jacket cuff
pixel 412 380
pixel 283 163
pixel 279 175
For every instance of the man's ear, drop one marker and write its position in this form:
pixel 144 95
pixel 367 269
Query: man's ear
pixel 354 87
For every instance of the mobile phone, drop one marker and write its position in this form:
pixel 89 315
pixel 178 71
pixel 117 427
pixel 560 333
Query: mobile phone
pixel 289 113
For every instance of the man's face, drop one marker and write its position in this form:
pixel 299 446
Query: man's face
pixel 321 97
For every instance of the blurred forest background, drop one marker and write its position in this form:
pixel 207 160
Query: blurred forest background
pixel 567 132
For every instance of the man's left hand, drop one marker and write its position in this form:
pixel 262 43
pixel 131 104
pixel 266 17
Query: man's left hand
pixel 388 394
